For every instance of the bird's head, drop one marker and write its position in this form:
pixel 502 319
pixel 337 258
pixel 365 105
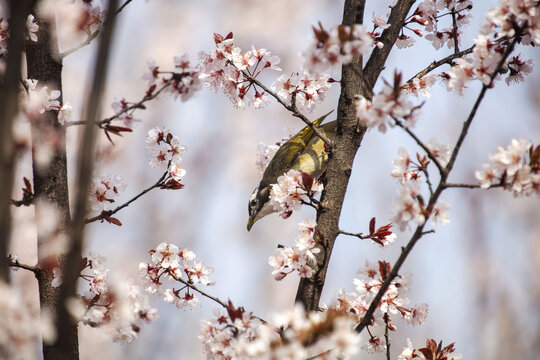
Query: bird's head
pixel 259 204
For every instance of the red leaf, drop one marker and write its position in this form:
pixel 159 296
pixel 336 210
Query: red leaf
pixel 218 39
pixel 234 313
pixel 372 225
pixel 229 36
pixel 150 90
pixel 113 221
pixel 172 185
pixel 307 180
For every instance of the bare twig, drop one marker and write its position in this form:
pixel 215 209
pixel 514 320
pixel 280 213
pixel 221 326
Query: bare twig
pixel 447 60
pixel 292 108
pixel 455 31
pixel 17 264
pixel 106 214
pixel 358 235
pixel 386 336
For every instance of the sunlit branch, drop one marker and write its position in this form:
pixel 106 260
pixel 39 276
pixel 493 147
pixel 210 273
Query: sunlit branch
pixel 106 214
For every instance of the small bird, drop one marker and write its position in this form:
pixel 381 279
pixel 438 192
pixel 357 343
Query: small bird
pixel 305 151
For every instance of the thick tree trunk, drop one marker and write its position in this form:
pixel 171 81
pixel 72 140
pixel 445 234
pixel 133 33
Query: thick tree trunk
pixel 50 179
pixel 354 81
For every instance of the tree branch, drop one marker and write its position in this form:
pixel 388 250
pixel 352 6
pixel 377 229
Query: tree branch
pixel 447 60
pixel 109 213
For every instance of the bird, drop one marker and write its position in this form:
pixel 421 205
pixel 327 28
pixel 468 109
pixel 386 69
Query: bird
pixel 305 151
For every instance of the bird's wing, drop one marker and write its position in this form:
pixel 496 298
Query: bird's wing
pixel 288 153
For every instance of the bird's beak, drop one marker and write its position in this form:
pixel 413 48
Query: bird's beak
pixel 250 223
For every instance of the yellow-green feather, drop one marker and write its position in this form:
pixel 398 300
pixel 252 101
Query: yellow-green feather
pixel 287 155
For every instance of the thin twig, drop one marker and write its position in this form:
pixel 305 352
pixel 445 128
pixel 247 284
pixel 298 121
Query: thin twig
pixel 117 209
pixel 455 31
pixel 137 105
pixel 447 60
pixel 292 108
pixel 17 264
pixel 428 181
pixel 91 36
pixel 358 235
pixel 386 337
pixel 420 143
pixel 472 186
pixel 204 293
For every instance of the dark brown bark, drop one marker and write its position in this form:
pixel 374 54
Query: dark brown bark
pixel 9 107
pixel 50 180
pixel 354 81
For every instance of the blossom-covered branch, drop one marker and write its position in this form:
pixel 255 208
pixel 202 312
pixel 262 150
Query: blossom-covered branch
pixel 441 186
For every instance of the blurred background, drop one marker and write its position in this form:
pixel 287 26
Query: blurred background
pixel 479 274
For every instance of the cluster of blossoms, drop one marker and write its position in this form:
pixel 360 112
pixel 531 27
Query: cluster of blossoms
pixel 299 258
pixel 409 205
pixel 41 99
pixel 172 264
pixel 104 190
pixel 431 351
pixel 511 169
pixel 294 335
pixel 166 152
pixel 22 325
pixel 75 18
pixel 118 308
pixel 305 90
pixel 390 104
pixel 394 302
pixel 232 70
pixel 339 45
pixel 421 85
pixel 500 27
pixel 292 190
pixel 183 82
pixel 428 15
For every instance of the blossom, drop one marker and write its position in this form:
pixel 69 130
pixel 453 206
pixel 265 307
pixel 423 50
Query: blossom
pixel 170 264
pixel 151 73
pixel 232 70
pixel 407 207
pixel 104 190
pixel 339 45
pixel 308 89
pixel 511 169
pixel 300 257
pixel 291 190
pixel 386 106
